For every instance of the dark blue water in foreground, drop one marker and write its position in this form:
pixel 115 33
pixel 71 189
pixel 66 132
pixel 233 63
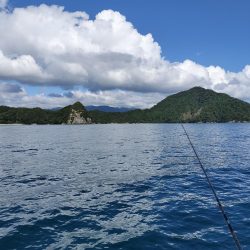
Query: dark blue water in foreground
pixel 123 186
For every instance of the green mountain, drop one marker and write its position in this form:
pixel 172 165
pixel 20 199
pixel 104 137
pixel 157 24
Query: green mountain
pixel 201 105
pixel 194 105
pixel 72 114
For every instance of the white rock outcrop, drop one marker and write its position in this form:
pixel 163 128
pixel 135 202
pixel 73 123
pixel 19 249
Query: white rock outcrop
pixel 77 117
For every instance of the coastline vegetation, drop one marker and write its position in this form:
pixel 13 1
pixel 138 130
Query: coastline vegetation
pixel 194 105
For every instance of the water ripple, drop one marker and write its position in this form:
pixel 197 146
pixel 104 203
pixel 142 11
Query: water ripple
pixel 122 186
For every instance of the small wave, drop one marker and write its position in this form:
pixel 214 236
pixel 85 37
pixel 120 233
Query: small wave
pixel 24 150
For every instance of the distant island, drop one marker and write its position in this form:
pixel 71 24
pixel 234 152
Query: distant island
pixel 194 105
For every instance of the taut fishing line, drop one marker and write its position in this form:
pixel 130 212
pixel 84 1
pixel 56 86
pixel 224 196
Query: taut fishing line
pixel 231 230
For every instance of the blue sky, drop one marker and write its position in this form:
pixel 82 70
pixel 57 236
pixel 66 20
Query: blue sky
pixel 193 42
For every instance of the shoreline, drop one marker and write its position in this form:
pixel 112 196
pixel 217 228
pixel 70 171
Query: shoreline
pixel 36 124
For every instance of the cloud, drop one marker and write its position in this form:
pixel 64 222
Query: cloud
pixel 10 88
pixel 61 48
pixel 3 4
pixel 55 95
pixel 22 68
pixel 14 95
pixel 118 98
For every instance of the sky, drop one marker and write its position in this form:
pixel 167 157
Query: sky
pixel 121 53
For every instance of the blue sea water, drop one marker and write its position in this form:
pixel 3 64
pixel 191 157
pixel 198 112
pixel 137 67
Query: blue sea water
pixel 130 186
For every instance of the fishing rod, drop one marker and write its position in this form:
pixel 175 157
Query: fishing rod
pixel 231 230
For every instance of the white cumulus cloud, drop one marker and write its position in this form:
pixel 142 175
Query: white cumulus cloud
pixel 49 46
pixel 12 94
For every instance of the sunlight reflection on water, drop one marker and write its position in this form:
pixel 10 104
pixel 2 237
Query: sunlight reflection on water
pixel 122 186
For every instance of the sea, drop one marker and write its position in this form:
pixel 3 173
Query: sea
pixel 123 186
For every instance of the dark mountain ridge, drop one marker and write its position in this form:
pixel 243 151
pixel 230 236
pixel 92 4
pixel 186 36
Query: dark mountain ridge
pixel 103 108
pixel 193 105
pixel 108 108
pixel 202 105
pixel 10 115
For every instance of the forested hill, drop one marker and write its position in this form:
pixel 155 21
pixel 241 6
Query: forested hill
pixel 194 105
pixel 202 105
pixel 72 114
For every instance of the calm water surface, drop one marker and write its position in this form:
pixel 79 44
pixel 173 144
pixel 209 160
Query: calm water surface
pixel 123 186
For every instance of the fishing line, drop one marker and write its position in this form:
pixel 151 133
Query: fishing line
pixel 231 230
